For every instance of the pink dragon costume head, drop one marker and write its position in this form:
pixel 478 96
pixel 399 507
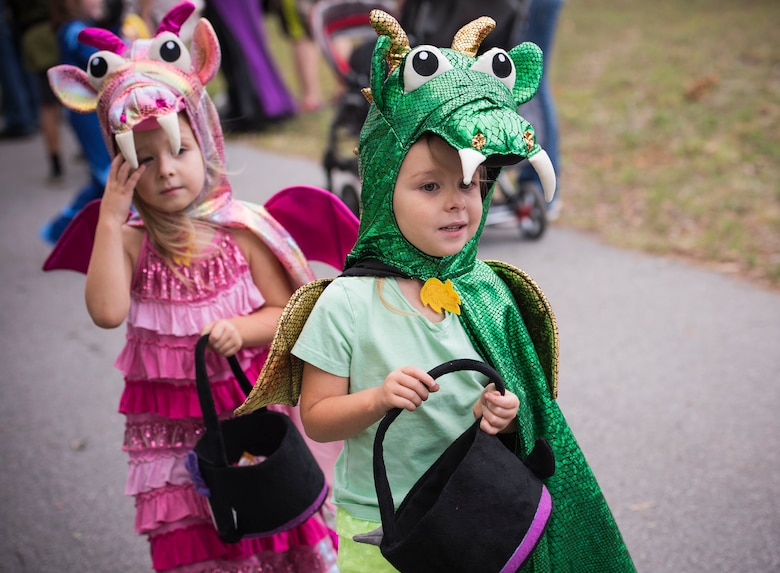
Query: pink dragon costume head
pixel 145 85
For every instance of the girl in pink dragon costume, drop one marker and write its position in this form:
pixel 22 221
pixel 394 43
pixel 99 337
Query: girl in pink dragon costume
pixel 192 261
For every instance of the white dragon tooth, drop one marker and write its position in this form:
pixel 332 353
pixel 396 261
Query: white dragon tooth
pixel 470 159
pixel 170 125
pixel 544 168
pixel 126 143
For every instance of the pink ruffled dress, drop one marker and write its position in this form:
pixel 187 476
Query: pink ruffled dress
pixel 163 416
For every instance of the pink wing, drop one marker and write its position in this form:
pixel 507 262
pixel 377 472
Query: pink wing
pixel 74 247
pixel 324 228
pixel 322 225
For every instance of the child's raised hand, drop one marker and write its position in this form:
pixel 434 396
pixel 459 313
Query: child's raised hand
pixel 224 337
pixel 406 387
pixel 120 184
pixel 497 411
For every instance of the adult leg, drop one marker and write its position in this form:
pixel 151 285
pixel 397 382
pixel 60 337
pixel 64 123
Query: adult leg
pixel 540 29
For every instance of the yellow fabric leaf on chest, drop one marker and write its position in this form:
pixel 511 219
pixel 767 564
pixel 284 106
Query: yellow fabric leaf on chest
pixel 440 296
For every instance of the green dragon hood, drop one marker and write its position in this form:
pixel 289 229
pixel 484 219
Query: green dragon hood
pixel 470 102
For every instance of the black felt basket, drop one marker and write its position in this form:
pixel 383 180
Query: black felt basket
pixel 279 493
pixel 477 508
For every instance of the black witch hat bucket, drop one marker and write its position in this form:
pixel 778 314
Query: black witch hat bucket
pixel 477 508
pixel 275 495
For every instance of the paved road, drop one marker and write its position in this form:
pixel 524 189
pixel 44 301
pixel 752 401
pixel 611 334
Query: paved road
pixel 669 376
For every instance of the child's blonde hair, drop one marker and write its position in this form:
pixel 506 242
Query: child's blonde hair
pixel 178 235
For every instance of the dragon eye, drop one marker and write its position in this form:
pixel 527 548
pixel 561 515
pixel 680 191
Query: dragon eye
pixel 100 65
pixel 170 51
pixel 168 48
pixel 422 65
pixel 497 63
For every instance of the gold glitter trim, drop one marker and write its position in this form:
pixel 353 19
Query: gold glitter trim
pixel 537 315
pixel 386 25
pixel 367 94
pixel 529 139
pixel 468 39
pixel 478 141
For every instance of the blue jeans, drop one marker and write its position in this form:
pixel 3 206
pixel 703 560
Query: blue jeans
pixel 540 111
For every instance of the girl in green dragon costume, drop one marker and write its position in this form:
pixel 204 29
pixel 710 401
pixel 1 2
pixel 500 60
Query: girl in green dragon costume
pixel 410 294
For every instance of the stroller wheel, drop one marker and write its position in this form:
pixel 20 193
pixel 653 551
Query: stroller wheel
pixel 349 194
pixel 531 210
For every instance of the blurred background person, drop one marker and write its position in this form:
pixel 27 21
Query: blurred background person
pixel 294 20
pixel 256 93
pixel 541 23
pixel 68 18
pixel 39 52
pixel 18 93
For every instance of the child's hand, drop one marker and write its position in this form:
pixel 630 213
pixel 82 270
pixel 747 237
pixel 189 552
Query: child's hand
pixel 224 337
pixel 120 184
pixel 406 387
pixel 497 411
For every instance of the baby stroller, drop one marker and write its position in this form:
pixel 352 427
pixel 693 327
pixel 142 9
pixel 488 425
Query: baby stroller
pixel 344 34
pixel 346 39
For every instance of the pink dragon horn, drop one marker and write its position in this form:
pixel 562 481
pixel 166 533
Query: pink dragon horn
pixel 102 40
pixel 175 17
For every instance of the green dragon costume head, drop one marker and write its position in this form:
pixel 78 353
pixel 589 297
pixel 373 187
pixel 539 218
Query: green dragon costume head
pixel 471 102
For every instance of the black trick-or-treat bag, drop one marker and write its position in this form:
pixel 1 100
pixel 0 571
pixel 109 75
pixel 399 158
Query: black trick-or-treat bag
pixel 262 499
pixel 477 508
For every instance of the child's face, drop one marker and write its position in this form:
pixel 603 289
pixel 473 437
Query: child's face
pixel 171 182
pixel 434 210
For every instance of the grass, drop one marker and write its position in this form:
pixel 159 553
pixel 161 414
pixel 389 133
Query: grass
pixel 669 117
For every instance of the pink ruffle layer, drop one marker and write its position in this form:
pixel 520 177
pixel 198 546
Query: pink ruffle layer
pixel 169 504
pixel 177 400
pixel 187 318
pixel 320 558
pixel 160 471
pixel 149 356
pixel 202 543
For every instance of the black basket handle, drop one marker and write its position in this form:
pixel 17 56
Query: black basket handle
pixel 214 439
pixel 384 496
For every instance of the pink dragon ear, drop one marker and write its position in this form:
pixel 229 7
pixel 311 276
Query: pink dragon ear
pixel 102 40
pixel 205 51
pixel 176 16
pixel 73 88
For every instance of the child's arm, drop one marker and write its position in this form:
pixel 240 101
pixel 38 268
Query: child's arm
pixel 330 413
pixel 228 336
pixel 110 270
pixel 498 412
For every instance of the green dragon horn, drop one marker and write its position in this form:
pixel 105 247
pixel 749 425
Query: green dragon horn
pixel 386 25
pixel 468 39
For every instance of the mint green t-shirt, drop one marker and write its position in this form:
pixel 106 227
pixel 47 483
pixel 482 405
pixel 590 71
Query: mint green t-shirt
pixel 352 333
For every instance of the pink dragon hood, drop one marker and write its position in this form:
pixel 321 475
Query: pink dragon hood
pixel 145 85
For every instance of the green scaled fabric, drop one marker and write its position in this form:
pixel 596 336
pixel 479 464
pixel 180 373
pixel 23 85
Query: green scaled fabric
pixel 462 105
